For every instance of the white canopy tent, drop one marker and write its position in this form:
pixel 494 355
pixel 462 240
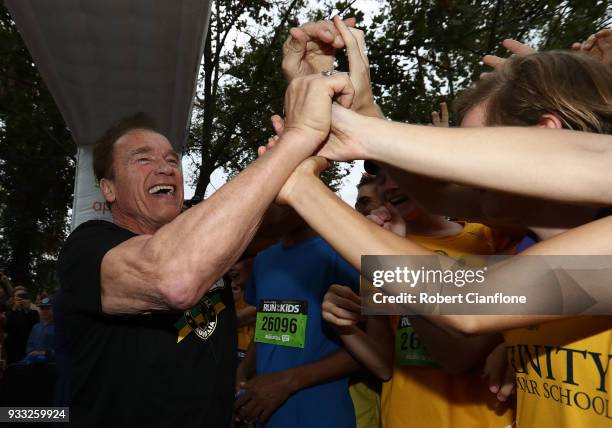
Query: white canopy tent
pixel 105 59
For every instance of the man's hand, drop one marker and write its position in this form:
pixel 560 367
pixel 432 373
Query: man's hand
pixel 500 375
pixel 388 217
pixel 341 306
pixel 309 49
pixel 37 353
pixel 308 104
pixel 598 46
pixel 264 394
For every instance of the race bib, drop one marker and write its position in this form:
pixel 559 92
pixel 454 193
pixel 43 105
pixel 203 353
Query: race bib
pixel 281 322
pixel 409 350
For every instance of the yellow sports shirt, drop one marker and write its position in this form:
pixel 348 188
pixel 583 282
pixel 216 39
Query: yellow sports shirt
pixel 563 373
pixel 421 395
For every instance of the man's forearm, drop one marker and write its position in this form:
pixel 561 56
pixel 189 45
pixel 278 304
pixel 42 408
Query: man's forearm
pixel 555 164
pixel 201 244
pixel 335 366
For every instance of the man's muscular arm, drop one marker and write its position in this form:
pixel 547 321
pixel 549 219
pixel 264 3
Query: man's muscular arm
pixel 175 266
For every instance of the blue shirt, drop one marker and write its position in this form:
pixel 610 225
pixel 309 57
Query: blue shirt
pixel 304 272
pixel 42 338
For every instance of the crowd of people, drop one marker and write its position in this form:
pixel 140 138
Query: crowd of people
pixel 27 346
pixel 26 325
pixel 244 309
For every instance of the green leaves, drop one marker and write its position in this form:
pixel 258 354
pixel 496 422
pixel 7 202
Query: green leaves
pixel 421 52
pixel 424 51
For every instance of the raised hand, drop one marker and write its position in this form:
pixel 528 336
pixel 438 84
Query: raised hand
pixel 598 46
pixel 347 131
pixel 347 137
pixel 341 306
pixel 514 46
pixel 308 103
pixel 309 49
pixel 359 68
pixel 440 119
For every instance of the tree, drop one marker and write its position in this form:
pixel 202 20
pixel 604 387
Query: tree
pixel 421 52
pixel 241 86
pixel 424 51
pixel 37 175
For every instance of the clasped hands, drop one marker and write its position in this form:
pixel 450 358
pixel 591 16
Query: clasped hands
pixel 323 113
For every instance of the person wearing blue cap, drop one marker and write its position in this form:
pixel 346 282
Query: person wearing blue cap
pixel 41 343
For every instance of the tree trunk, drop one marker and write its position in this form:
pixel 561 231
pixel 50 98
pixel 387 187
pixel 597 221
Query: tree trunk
pixel 206 132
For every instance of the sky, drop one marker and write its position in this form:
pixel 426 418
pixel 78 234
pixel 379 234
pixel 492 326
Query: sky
pixel 348 191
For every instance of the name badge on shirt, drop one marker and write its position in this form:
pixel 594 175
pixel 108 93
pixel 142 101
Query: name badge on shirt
pixel 202 318
pixel 281 322
pixel 409 350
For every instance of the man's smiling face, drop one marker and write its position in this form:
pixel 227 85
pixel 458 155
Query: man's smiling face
pixel 147 189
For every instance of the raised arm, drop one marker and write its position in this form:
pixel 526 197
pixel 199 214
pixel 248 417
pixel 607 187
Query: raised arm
pixel 353 236
pixel 481 158
pixel 598 46
pixel 562 165
pixel 490 207
pixel 173 267
pixel 311 48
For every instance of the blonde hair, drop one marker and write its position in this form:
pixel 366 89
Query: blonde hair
pixel 572 86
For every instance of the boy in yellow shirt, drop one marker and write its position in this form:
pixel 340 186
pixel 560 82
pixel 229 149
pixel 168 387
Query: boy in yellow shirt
pixel 434 381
